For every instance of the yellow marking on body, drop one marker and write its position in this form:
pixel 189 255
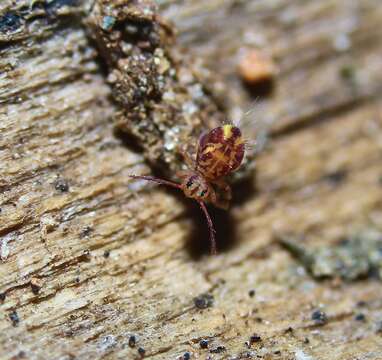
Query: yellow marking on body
pixel 220 159
pixel 227 131
pixel 239 141
pixel 222 155
pixel 209 149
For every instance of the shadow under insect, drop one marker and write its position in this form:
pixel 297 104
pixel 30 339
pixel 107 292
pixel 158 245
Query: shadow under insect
pixel 261 89
pixel 220 153
pixel 243 189
pixel 197 242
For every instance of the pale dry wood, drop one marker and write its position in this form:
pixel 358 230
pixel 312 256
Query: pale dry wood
pixel 113 257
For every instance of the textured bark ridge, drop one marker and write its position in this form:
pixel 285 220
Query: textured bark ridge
pixel 163 104
pixel 96 266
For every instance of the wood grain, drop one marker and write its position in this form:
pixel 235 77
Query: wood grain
pixel 116 258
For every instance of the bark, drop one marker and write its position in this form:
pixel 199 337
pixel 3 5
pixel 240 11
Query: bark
pixel 90 258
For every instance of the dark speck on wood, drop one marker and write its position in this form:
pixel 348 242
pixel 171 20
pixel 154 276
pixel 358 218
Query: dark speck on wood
pixel 14 318
pixel 132 340
pixel 203 344
pixel 61 185
pixel 85 231
pixel 254 338
pixel 336 177
pixel 204 301
pixel 361 303
pixel 186 356
pixel 218 350
pixel 319 317
pixel 141 351
pixel 360 317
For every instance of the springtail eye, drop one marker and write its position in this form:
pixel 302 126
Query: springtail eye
pixel 203 193
pixel 189 184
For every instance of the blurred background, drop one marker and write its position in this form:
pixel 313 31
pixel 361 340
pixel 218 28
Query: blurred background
pixel 96 266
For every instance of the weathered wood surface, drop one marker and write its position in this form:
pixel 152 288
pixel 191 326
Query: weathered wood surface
pixel 114 259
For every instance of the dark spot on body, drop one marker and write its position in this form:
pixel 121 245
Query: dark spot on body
pixel 204 301
pixel 289 330
pixel 222 170
pixel 106 254
pixel 132 341
pixel 216 135
pixel 319 317
pixel 239 153
pixel 203 344
pixel 2 296
pixel 14 318
pixel 206 157
pixel 61 185
pixel 251 293
pixel 306 341
pixel 236 133
pixel 10 22
pixel 141 351
pixel 277 352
